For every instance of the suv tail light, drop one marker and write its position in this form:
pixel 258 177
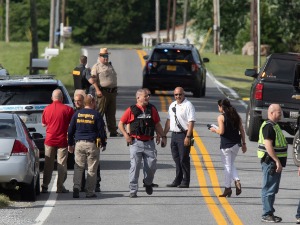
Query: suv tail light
pixel 259 91
pixel 19 148
pixel 194 67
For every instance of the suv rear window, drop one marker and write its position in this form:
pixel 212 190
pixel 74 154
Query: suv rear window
pixel 280 69
pixel 27 94
pixel 172 54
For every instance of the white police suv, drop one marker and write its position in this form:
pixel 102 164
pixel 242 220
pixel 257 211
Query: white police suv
pixel 28 96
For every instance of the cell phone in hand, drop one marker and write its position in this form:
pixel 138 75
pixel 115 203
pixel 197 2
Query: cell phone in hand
pixel 212 125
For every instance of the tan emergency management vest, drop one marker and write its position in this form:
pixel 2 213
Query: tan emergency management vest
pixel 105 74
pixel 280 146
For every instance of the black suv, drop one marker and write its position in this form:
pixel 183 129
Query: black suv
pixel 27 96
pixel 277 82
pixel 173 64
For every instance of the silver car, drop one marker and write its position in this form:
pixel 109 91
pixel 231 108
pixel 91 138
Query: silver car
pixel 19 157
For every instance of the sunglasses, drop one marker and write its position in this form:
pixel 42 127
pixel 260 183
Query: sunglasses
pixel 177 94
pixel 104 56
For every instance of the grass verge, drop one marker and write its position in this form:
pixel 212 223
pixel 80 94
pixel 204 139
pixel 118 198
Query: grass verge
pixel 229 69
pixel 4 201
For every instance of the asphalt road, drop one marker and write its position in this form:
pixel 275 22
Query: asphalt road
pixel 196 205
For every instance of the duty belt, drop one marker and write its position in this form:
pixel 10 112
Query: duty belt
pixel 109 90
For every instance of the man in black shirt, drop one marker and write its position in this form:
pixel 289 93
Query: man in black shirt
pixel 81 76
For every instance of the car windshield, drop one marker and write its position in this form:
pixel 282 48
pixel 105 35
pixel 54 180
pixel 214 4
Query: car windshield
pixel 7 128
pixel 171 54
pixel 26 94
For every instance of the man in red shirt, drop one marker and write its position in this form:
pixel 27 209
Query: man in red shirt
pixel 56 118
pixel 144 121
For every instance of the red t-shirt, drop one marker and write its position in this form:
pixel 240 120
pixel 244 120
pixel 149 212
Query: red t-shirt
pixel 128 117
pixel 57 117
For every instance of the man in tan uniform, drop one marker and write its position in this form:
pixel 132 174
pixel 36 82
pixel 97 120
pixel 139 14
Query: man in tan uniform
pixel 105 84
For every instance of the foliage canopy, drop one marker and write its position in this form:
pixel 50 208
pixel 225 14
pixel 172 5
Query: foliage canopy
pixel 118 21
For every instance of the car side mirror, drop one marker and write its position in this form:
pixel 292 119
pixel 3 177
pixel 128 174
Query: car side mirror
pixel 36 136
pixel 206 60
pixel 251 73
pixel 145 57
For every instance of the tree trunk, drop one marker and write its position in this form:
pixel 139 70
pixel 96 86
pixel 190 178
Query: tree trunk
pixel 157 19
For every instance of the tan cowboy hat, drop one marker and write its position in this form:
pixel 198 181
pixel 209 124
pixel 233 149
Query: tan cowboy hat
pixel 103 51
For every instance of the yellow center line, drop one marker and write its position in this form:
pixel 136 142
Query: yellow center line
pixel 214 180
pixel 211 204
pixel 141 53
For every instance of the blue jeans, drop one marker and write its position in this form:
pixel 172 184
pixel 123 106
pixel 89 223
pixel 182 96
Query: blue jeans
pixel 298 211
pixel 270 187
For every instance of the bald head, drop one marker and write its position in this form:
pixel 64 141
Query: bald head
pixel 57 95
pixel 274 112
pixel 179 95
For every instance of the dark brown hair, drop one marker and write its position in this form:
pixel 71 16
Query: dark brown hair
pixel 230 112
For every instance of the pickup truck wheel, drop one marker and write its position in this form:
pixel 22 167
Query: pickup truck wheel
pixel 296 149
pixel 253 127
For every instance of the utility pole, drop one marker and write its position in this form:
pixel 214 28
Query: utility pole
pixel 51 31
pixel 168 20
pixel 185 10
pixel 33 30
pixel 255 33
pixel 216 27
pixel 174 20
pixel 7 22
pixel 63 6
pixel 157 19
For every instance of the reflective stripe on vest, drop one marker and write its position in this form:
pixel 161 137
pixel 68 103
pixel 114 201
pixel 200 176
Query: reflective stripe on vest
pixel 280 147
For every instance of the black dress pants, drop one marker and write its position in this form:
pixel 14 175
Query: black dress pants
pixel 181 157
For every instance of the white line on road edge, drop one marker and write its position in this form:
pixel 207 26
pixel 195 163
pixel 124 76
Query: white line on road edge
pixel 49 205
pixel 232 92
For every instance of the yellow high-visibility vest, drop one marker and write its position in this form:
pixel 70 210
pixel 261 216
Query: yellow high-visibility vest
pixel 280 147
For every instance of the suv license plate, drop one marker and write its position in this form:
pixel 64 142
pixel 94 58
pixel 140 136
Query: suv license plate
pixel 294 115
pixel 171 68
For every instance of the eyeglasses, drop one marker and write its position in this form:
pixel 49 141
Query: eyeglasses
pixel 104 56
pixel 177 94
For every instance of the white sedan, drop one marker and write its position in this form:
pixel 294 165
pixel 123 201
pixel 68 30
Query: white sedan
pixel 19 157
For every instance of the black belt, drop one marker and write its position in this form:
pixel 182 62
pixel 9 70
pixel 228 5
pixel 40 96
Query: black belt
pixel 109 90
pixel 180 132
pixel 90 141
